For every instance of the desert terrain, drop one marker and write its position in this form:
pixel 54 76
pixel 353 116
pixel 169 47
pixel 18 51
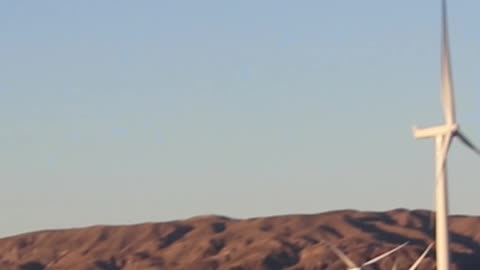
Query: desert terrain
pixel 292 242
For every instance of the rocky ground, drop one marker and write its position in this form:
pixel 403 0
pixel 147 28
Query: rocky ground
pixel 291 242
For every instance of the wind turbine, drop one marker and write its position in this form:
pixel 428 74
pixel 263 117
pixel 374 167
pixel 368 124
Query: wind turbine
pixel 351 265
pixel 443 136
pixel 418 261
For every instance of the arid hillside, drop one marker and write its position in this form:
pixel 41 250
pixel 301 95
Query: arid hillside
pixel 291 242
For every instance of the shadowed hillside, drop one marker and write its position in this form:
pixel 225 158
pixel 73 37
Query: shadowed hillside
pixel 212 242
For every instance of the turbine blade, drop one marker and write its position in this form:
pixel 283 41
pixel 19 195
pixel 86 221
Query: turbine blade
pixel 381 256
pixel 441 158
pixel 447 78
pixel 419 260
pixel 467 142
pixel 342 256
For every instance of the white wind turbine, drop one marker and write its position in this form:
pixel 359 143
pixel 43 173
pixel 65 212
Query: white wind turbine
pixel 443 136
pixel 351 265
pixel 418 261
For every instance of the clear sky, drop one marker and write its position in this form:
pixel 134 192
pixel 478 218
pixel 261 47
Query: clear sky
pixel 118 112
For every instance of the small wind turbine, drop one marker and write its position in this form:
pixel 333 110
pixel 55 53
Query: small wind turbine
pixel 418 261
pixel 351 265
pixel 443 136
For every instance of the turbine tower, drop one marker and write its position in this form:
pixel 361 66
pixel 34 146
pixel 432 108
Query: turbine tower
pixel 443 136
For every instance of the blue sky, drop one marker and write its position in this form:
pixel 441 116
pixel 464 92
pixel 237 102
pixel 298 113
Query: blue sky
pixel 118 112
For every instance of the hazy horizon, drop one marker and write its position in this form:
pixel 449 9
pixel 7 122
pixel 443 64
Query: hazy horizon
pixel 114 112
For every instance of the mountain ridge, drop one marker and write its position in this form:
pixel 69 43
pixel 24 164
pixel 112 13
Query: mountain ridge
pixel 214 242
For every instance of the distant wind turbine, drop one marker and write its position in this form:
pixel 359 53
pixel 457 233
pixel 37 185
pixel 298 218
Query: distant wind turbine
pixel 443 136
pixel 351 265
pixel 418 261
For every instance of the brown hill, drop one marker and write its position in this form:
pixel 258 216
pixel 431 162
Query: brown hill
pixel 212 242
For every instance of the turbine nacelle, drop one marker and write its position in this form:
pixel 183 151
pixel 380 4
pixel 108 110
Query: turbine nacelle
pixel 432 132
pixel 446 132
